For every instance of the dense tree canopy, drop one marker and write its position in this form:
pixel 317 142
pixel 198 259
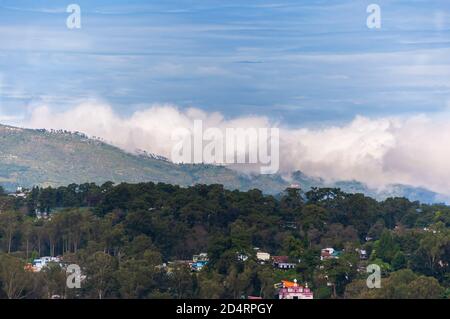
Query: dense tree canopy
pixel 122 235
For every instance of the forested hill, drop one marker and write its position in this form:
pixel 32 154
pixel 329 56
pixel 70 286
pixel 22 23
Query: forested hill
pixel 56 158
pixel 129 239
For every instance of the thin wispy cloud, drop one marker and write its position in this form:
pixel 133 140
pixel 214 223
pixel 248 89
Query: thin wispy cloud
pixel 231 56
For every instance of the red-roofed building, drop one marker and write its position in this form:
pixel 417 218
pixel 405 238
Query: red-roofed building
pixel 329 253
pixel 294 291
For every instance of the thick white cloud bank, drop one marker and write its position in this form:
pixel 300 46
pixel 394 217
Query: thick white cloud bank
pixel 413 150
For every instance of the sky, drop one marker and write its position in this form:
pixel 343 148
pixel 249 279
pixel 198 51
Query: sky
pixel 345 95
pixel 299 62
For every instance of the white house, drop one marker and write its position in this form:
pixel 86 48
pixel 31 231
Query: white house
pixel 40 263
pixel 262 256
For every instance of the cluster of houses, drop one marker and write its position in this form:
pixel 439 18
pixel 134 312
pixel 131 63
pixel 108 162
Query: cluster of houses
pixel 197 263
pixel 280 262
pixel 331 253
pixel 292 290
pixel 40 263
pixel 286 263
pixel 286 289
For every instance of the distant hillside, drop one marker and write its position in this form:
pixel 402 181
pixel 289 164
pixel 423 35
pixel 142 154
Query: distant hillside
pixel 55 158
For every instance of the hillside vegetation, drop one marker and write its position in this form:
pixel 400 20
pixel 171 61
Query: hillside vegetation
pixel 129 239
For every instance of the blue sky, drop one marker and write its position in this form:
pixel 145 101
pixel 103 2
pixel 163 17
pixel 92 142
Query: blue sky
pixel 298 62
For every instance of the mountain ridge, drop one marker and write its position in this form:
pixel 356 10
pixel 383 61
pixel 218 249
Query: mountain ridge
pixel 39 157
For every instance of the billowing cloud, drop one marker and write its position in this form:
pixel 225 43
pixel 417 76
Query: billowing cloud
pixel 150 129
pixel 411 150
